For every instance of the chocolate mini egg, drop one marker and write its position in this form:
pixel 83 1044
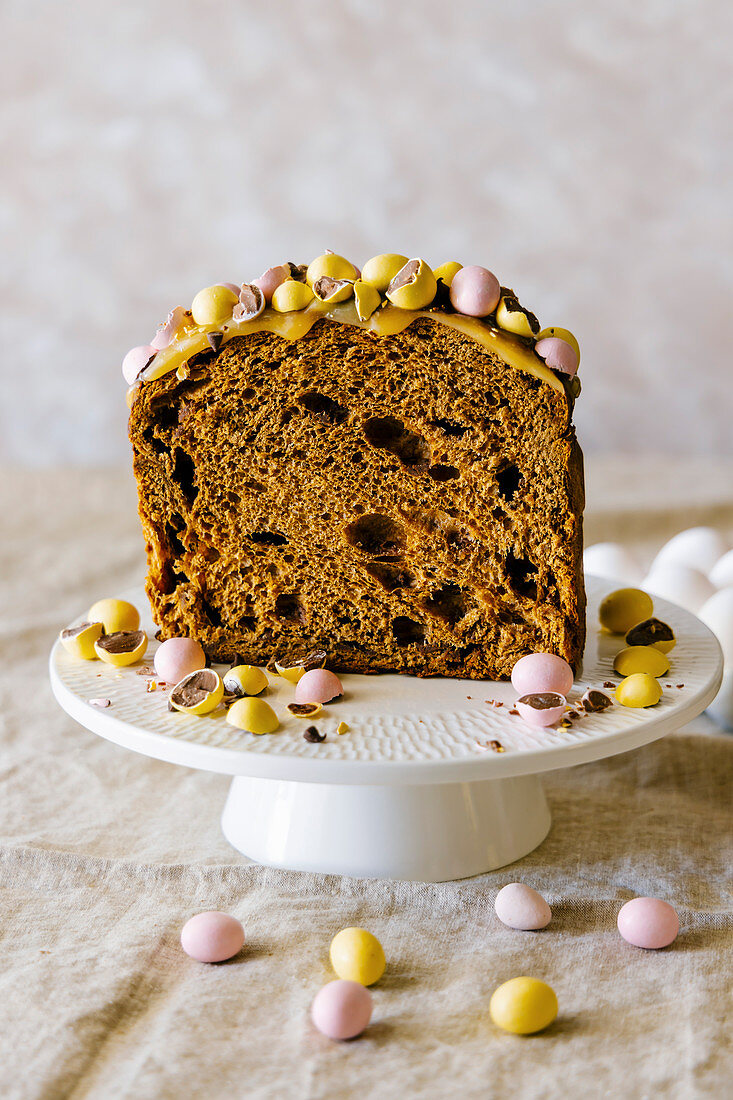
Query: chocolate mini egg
pixel 511 316
pixel 519 906
pixel 624 608
pixel 245 680
pixel 639 690
pixel 357 956
pixel 680 584
pixel 213 304
pixel 251 302
pixel 333 291
pixel 447 272
pixel 115 614
pixel 523 1006
pixel 413 287
pixel 698 547
pixel 652 632
pixel 538 672
pixel 542 708
pixel 717 614
pixel 563 333
pixel 381 270
pixel 342 1009
pixel 648 922
pixel 212 937
pixel 641 658
pixel 198 693
pixel 291 296
pixel 122 648
pixel 331 265
pixel 318 686
pixel 610 559
pixel 558 354
pixel 136 360
pixel 253 715
pixel 79 640
pixel 178 657
pixel 475 291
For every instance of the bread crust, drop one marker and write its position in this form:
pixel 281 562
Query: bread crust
pixel 409 503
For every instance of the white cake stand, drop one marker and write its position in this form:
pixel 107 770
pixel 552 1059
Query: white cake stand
pixel 413 790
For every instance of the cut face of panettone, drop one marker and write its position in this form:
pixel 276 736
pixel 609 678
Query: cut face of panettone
pixel 402 495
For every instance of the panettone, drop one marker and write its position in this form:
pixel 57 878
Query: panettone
pixel 400 487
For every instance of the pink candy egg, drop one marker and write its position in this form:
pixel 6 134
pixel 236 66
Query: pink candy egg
pixel 342 1009
pixel 539 672
pixel 558 354
pixel 136 360
pixel 519 906
pixel 475 291
pixel 169 329
pixel 234 287
pixel 541 708
pixel 648 922
pixel 271 279
pixel 318 686
pixel 212 937
pixel 177 657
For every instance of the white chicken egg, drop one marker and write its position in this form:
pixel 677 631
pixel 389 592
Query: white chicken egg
pixel 717 613
pixel 680 584
pixel 722 572
pixel 721 708
pixel 610 559
pixel 698 547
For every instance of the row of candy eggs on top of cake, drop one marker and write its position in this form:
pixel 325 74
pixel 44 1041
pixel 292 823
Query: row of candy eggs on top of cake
pixel 387 279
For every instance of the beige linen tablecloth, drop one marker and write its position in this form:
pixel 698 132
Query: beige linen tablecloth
pixel 105 854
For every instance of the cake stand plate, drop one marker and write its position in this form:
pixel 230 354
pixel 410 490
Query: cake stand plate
pixel 414 790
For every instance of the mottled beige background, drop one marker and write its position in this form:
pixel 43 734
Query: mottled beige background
pixel 582 151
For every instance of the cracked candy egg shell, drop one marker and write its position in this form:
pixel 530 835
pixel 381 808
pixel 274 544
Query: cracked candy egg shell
pixel 318 686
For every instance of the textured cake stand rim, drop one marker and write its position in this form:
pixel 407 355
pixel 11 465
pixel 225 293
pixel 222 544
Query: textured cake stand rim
pixel 489 765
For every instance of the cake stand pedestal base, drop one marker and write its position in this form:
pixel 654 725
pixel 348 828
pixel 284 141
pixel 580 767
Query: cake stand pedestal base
pixel 424 833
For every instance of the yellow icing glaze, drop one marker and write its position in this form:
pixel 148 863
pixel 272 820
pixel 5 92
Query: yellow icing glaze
pixel 385 322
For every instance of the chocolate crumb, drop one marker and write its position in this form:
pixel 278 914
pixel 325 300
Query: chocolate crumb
pixel 214 339
pixel 469 696
pixel 312 735
pixel 513 711
pixel 497 746
pixel 679 685
pixel 608 684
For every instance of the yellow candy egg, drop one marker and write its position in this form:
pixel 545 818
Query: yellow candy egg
pixel 641 658
pixel 413 287
pixel 639 690
pixel 381 270
pixel 367 299
pixel 253 715
pixel 562 334
pixel 115 614
pixel 198 693
pixel 447 272
pixel 357 956
pixel 624 608
pixel 245 680
pixel 335 267
pixel 213 305
pixel 291 296
pixel 333 290
pixel 79 640
pixel 122 648
pixel 512 318
pixel 523 1006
